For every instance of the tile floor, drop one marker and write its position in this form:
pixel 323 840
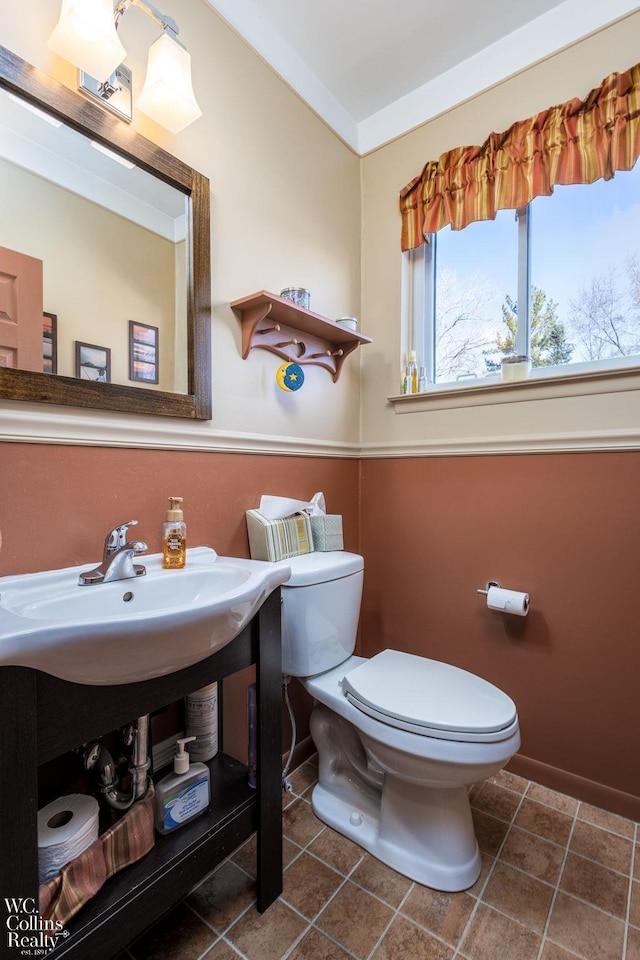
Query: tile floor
pixel 560 880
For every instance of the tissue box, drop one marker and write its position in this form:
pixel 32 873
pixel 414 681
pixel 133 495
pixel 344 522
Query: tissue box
pixel 327 532
pixel 278 539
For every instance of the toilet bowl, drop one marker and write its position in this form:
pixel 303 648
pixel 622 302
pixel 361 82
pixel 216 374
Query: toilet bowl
pixel 400 738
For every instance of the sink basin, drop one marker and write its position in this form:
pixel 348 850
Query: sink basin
pixel 131 630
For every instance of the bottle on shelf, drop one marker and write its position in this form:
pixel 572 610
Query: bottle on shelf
pixel 201 719
pixel 183 794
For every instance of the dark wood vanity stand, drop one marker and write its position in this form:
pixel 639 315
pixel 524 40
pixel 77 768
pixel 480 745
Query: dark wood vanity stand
pixel 42 717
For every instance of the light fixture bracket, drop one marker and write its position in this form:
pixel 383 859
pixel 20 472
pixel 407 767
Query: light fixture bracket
pixel 167 23
pixel 116 93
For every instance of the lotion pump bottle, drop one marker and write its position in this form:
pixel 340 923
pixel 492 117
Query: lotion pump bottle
pixel 174 537
pixel 183 794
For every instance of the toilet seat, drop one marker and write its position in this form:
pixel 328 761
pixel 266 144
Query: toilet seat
pixel 430 698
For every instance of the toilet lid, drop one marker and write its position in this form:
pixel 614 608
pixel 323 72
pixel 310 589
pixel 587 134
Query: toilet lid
pixel 430 698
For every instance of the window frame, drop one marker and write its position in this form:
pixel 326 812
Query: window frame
pixel 419 268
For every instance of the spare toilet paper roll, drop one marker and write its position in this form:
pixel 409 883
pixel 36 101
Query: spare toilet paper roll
pixel 66 827
pixel 508 601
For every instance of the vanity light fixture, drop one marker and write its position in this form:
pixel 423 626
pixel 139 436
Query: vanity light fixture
pixel 85 38
pixel 167 96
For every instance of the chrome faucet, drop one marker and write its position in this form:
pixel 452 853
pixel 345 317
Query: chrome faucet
pixel 117 558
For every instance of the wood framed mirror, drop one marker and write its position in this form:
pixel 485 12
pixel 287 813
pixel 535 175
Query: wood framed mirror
pixel 188 393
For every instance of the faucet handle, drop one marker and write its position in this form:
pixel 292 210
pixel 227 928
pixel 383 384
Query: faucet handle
pixel 117 538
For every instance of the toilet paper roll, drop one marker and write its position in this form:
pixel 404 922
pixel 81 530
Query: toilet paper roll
pixel 508 601
pixel 66 827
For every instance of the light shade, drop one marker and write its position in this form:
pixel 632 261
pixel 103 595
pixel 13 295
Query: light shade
pixel 86 36
pixel 167 96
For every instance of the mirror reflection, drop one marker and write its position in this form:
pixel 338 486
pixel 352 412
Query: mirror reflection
pixel 93 259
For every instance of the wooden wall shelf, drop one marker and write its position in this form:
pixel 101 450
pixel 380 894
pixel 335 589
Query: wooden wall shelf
pixel 294 333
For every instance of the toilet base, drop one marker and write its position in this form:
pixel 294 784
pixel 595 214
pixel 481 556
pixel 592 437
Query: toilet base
pixel 423 831
pixel 428 853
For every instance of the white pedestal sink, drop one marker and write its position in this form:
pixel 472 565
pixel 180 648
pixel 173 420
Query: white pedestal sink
pixel 131 630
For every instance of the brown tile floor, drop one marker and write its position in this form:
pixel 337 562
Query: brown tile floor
pixel 560 880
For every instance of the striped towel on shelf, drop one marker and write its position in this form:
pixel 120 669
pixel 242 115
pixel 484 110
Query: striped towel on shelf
pixel 126 841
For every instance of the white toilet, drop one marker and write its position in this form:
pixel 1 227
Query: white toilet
pixel 400 738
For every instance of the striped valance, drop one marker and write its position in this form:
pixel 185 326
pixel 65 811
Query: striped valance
pixel 575 142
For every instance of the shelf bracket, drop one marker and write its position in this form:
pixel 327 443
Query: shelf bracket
pixel 251 318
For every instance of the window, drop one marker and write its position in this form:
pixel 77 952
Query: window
pixel 558 280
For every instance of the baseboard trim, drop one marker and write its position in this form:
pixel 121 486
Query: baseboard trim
pixel 301 752
pixel 598 794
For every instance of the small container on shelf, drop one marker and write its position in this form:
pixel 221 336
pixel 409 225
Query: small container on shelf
pixel 350 323
pixel 297 295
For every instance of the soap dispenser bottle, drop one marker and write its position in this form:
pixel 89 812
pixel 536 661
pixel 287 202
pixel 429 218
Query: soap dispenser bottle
pixel 183 794
pixel 174 537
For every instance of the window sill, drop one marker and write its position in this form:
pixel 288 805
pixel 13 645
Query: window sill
pixel 541 387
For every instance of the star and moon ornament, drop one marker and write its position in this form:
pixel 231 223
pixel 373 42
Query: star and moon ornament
pixel 289 376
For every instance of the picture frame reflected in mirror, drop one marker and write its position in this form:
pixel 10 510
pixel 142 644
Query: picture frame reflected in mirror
pixel 49 343
pixel 143 352
pixel 93 362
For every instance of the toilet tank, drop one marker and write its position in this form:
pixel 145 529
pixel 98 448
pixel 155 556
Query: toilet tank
pixel 320 611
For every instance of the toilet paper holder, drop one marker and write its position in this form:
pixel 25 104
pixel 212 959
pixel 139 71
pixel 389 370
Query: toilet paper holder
pixel 490 583
pixel 505 601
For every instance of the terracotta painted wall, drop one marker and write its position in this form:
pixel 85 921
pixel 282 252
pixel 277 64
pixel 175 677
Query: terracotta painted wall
pixel 58 502
pixel 565 528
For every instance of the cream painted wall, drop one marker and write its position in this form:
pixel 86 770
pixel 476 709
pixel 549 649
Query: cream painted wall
pixel 286 209
pixel 540 423
pixel 285 197
pixel 99 271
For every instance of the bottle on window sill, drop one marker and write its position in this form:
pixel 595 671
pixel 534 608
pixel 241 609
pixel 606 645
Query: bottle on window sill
pixel 412 371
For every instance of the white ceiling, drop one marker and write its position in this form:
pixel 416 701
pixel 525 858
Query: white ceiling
pixel 373 69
